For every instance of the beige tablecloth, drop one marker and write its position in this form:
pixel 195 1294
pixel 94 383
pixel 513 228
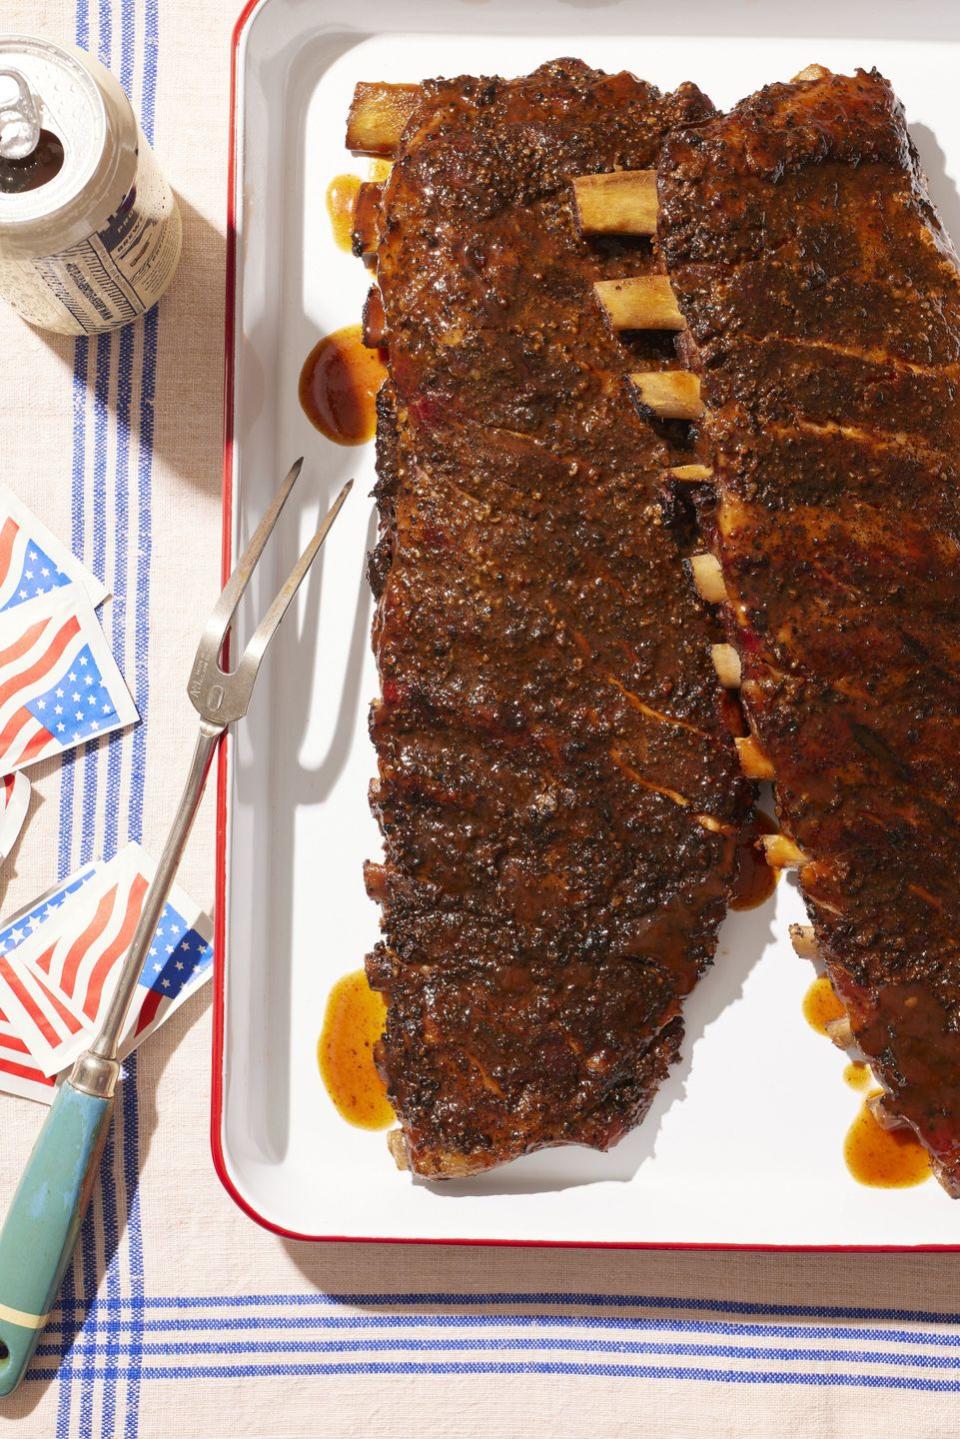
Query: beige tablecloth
pixel 204 1324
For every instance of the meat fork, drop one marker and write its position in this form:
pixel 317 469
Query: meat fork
pixel 42 1225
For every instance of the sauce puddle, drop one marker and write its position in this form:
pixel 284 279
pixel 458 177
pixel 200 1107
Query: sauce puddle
pixel 342 195
pixel 338 387
pixel 857 1075
pixel 821 1005
pixel 877 1157
pixel 351 1027
pixel 884 1158
pixel 754 880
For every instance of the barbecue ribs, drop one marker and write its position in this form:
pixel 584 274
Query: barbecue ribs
pixel 823 306
pixel 558 790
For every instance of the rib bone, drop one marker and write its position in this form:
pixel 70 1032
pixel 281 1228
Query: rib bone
pixel 374 320
pixel 646 302
pixel 881 1113
pixel 840 1032
pixel 708 578
pixel 781 852
pixel 366 219
pixel 690 473
pixel 726 662
pixel 753 762
pixel 397 1146
pixel 670 394
pixel 378 117
pixel 804 943
pixel 623 202
pixel 715 826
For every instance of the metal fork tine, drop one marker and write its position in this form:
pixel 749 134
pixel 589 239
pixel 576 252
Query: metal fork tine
pixel 215 630
pixel 262 635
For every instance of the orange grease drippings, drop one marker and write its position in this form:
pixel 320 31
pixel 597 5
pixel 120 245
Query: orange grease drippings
pixel 884 1158
pixel 857 1075
pixel 877 1157
pixel 338 386
pixel 351 1027
pixel 342 195
pixel 754 880
pixel 821 1005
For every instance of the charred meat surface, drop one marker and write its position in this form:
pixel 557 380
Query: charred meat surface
pixel 822 300
pixel 558 790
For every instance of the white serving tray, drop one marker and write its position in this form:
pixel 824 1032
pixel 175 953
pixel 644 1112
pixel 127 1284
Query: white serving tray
pixel 744 1143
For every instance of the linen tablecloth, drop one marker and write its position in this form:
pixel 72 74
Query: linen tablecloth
pixel 180 1316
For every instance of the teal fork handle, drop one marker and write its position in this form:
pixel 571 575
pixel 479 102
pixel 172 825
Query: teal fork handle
pixel 42 1225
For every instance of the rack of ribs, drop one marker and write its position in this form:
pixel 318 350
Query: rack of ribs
pixel 558 791
pixel 821 301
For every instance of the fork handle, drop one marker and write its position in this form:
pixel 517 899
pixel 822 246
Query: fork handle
pixel 108 1040
pixel 42 1224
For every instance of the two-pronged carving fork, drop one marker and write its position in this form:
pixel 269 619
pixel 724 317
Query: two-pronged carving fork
pixel 43 1222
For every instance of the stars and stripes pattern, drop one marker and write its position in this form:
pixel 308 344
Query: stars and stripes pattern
pixel 19 1073
pixel 33 561
pixel 59 966
pixel 26 570
pixel 18 1021
pixel 40 1015
pixel 59 685
pixel 22 924
pixel 81 965
pixel 31 657
pixel 180 957
pixel 41 1018
pixel 79 705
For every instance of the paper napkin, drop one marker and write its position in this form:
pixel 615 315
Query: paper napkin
pixel 33 561
pixel 61 975
pixel 59 683
pixel 19 1072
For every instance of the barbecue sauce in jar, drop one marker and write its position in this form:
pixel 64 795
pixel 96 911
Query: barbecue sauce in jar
pixel 754 880
pixel 351 1027
pixel 342 195
pixel 338 387
pixel 884 1158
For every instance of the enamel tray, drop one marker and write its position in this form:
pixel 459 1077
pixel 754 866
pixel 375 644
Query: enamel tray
pixel 744 1144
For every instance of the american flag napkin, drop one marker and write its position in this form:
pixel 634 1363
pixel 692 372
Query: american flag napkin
pixel 59 683
pixel 57 980
pixel 14 803
pixel 19 1072
pixel 33 561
